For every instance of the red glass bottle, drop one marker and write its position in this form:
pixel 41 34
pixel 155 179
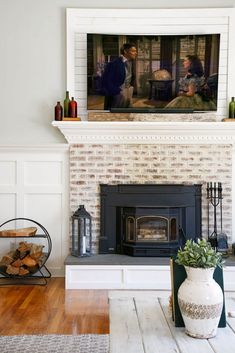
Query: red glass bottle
pixel 58 111
pixel 73 108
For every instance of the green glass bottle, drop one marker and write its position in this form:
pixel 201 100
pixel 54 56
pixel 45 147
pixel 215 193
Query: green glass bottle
pixel 232 109
pixel 66 105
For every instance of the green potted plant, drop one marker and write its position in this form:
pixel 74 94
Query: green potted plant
pixel 199 254
pixel 200 297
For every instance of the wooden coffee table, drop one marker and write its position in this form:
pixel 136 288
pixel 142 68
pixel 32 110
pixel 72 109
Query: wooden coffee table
pixel 141 323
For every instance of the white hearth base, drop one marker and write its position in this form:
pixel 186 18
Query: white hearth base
pixel 117 277
pixel 128 277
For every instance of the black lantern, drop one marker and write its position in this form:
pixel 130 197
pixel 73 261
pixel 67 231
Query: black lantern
pixel 81 232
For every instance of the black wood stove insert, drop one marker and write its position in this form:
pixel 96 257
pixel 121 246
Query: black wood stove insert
pixel 148 219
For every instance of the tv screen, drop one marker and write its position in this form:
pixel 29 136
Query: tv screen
pixel 152 73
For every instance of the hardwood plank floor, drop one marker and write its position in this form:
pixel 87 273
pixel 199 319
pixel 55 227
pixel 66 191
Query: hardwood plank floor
pixel 28 309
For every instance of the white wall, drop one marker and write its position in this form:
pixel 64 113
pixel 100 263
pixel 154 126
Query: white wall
pixel 33 61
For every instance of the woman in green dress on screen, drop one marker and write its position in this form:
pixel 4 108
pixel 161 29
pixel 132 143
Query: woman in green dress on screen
pixel 192 88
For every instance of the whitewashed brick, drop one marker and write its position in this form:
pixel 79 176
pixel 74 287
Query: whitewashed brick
pixel 92 165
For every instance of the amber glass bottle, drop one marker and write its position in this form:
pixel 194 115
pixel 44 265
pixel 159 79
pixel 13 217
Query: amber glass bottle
pixel 58 111
pixel 66 105
pixel 73 108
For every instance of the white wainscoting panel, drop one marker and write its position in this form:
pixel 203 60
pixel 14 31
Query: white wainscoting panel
pixel 34 184
pixel 7 205
pixel 7 173
pixel 34 172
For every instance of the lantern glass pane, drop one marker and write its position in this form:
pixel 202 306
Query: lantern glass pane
pixel 88 223
pixel 82 227
pixel 75 237
pixel 83 236
pixel 88 232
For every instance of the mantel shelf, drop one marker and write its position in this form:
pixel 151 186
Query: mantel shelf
pixel 147 132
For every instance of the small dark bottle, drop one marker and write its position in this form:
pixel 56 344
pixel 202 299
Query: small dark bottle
pixel 232 109
pixel 66 105
pixel 73 108
pixel 58 111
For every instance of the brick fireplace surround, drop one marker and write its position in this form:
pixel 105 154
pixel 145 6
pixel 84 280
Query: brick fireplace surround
pixel 139 152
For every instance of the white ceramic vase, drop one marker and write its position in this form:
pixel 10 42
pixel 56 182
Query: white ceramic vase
pixel 201 302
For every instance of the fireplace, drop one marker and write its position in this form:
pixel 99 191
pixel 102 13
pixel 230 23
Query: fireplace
pixel 150 230
pixel 149 220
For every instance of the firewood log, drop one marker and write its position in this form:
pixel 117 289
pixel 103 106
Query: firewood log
pixel 27 258
pixel 28 261
pixel 21 232
pixel 24 246
pixel 35 248
pixel 11 270
pixel 36 256
pixel 33 269
pixel 23 271
pixel 17 263
pixel 36 251
pixel 8 258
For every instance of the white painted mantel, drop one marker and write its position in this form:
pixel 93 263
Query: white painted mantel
pixel 147 132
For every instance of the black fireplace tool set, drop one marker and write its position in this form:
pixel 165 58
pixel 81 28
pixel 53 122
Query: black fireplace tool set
pixel 217 239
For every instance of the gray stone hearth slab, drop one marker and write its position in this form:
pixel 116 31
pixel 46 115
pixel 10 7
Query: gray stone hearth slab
pixel 116 259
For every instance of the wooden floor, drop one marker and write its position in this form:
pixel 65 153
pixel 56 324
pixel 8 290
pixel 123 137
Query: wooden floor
pixel 29 309
pixel 142 323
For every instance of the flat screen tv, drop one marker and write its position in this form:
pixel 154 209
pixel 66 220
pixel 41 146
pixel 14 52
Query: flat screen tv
pixel 166 73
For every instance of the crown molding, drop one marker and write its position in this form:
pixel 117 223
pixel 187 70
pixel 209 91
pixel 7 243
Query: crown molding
pixel 147 132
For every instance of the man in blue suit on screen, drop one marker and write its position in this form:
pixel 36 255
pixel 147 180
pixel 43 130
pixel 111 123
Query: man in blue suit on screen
pixel 118 79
